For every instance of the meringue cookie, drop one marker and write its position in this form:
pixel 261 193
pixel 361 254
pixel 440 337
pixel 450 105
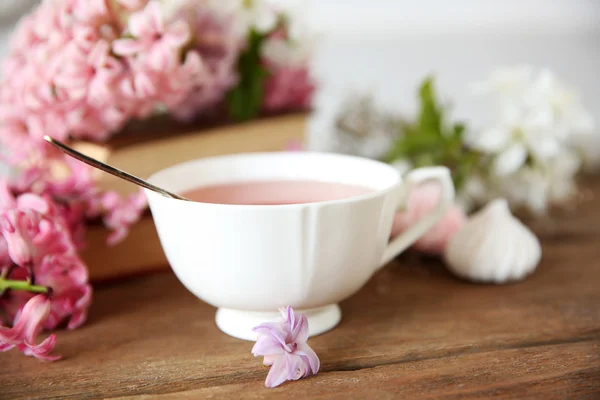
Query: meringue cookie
pixel 493 246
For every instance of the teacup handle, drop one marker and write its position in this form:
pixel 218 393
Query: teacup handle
pixel 415 178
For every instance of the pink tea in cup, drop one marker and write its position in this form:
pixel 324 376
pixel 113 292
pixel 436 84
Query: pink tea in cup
pixel 275 192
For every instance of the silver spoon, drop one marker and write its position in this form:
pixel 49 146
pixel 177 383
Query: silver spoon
pixel 109 169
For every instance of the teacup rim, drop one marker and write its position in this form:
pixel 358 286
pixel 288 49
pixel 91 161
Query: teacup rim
pixel 361 197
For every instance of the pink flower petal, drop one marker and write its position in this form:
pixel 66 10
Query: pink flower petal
pixel 267 345
pixel 300 329
pixel 313 360
pixel 33 202
pixel 127 47
pixel 6 347
pixel 270 359
pixel 81 306
pixel 295 368
pixel 178 34
pixel 272 329
pixel 278 372
pixel 31 319
pixel 41 350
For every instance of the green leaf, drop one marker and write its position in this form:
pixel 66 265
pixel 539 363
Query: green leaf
pixel 459 130
pixel 427 141
pixel 430 119
pixel 245 100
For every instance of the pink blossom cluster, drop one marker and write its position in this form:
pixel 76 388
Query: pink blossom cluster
pixel 83 68
pixel 42 223
pixel 37 246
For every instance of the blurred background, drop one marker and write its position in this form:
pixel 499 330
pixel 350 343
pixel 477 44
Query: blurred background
pixel 386 47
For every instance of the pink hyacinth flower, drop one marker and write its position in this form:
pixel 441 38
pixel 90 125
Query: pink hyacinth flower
pixel 26 328
pixel 283 345
pixel 122 213
pixel 30 236
pixel 213 70
pixel 28 232
pixel 153 40
pixel 90 75
pixel 71 297
pixel 421 202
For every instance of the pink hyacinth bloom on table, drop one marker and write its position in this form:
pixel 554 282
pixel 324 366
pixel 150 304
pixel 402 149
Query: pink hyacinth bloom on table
pixel 30 236
pixel 122 213
pixel 283 345
pixel 72 295
pixel 28 231
pixel 36 235
pixel 28 324
pixel 421 202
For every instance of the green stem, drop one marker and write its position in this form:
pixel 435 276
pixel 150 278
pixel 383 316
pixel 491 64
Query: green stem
pixel 21 285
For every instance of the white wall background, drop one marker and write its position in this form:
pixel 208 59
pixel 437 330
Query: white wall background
pixel 387 47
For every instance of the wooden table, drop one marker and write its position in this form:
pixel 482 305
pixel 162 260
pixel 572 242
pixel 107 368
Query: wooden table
pixel 414 331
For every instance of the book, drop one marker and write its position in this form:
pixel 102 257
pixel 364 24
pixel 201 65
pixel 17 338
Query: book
pixel 141 251
pixel 143 153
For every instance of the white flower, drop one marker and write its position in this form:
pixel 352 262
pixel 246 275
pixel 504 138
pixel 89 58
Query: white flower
pixel 536 187
pixel 537 113
pixel 540 123
pixel 510 160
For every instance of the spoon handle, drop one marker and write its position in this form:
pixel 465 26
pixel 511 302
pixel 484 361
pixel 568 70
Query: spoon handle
pixel 109 169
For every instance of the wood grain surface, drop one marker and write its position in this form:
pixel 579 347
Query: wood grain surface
pixel 414 331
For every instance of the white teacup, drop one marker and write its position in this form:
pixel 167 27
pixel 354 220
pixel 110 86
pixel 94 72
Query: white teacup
pixel 249 260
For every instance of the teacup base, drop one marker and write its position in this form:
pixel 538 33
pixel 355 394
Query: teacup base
pixel 239 323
